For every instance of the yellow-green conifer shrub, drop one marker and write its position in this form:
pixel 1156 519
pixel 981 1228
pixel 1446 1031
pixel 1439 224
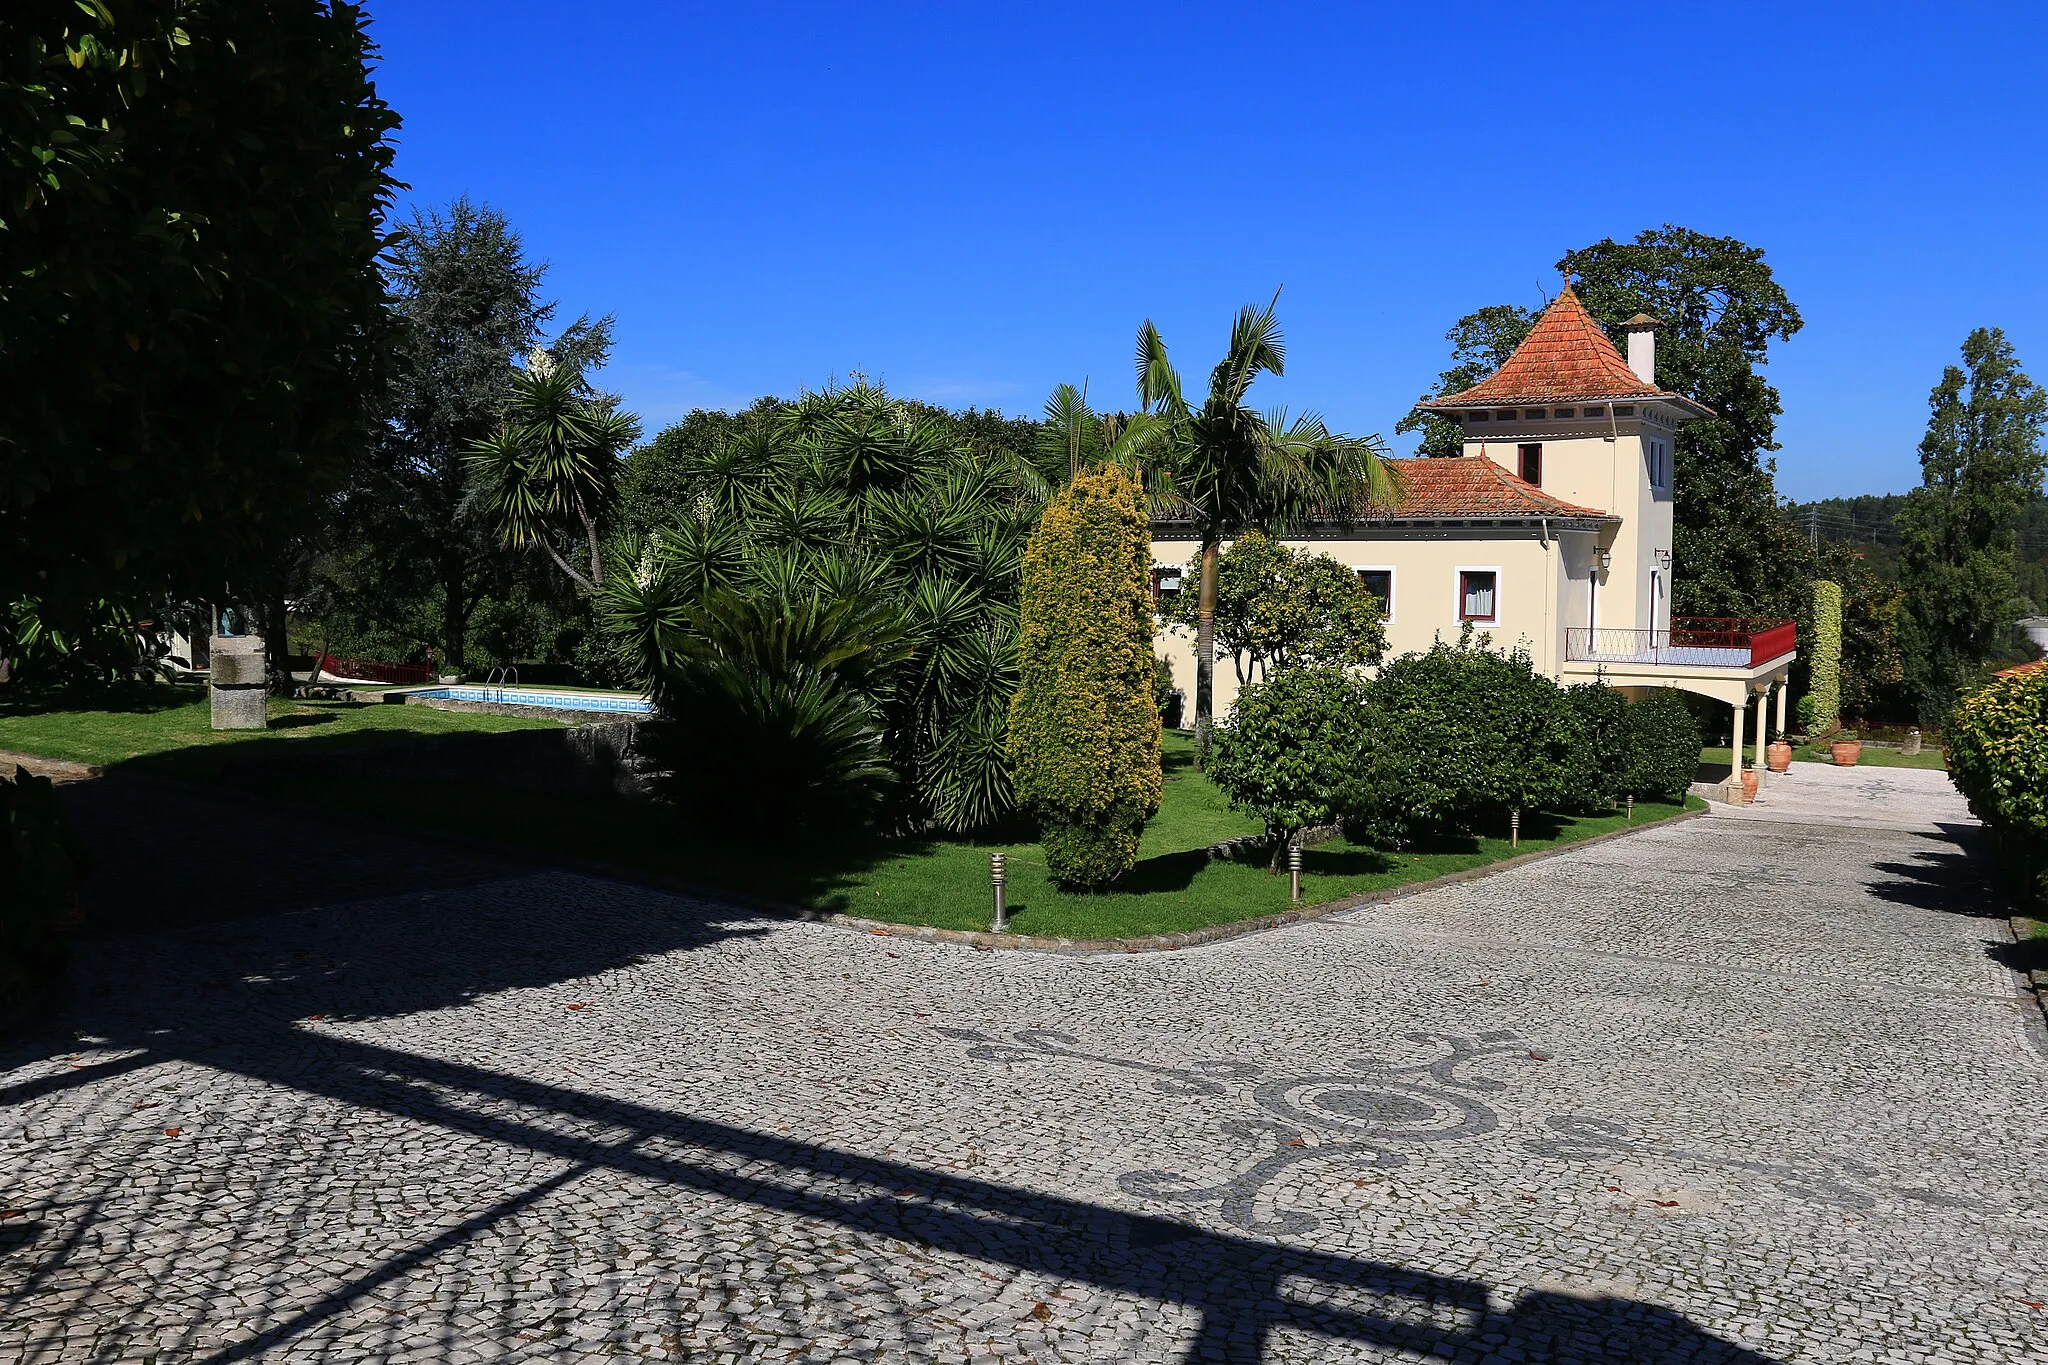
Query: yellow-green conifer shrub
pixel 1084 729
pixel 1827 654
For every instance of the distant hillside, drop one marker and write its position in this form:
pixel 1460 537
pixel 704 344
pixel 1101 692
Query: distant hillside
pixel 1866 522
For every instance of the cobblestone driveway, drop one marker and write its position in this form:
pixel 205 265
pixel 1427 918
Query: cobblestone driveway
pixel 1727 1090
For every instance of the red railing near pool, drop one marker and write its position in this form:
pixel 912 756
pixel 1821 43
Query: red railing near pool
pixel 373 670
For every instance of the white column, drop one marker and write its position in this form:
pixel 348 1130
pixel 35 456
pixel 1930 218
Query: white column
pixel 1762 719
pixel 1784 686
pixel 1735 751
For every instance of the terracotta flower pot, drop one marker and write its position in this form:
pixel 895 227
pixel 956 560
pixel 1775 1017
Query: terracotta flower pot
pixel 1846 752
pixel 1749 784
pixel 1778 756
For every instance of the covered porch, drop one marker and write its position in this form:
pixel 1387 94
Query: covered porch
pixel 1735 661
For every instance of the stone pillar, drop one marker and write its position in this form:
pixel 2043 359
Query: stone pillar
pixel 238 684
pixel 1736 795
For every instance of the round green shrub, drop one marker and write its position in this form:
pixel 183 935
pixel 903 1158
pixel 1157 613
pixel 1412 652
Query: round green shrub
pixel 1084 726
pixel 1455 739
pixel 1663 745
pixel 1290 749
pixel 1998 754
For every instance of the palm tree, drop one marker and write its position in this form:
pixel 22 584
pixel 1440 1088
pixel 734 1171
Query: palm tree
pixel 1227 469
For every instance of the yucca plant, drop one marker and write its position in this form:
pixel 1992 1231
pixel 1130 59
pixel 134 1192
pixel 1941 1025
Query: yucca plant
pixel 852 495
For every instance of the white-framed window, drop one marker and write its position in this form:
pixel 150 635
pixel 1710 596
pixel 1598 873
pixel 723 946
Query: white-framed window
pixel 1478 599
pixel 1378 579
pixel 1657 454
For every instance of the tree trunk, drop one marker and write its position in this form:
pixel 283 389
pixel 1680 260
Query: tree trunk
pixel 1205 655
pixel 454 615
pixel 277 644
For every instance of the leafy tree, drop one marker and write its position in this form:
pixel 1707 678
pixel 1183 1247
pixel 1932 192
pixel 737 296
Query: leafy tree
pixel 467 304
pixel 1084 732
pixel 1481 343
pixel 1980 462
pixel 1663 744
pixel 190 315
pixel 1290 749
pixel 1873 666
pixel 1721 308
pixel 1225 469
pixel 1278 607
pixel 1998 755
pixel 1456 738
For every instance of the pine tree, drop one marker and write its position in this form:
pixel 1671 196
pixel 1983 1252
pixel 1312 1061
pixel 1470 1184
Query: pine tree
pixel 1980 463
pixel 1084 731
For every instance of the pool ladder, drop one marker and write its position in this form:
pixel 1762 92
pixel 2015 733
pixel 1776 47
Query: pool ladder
pixel 502 677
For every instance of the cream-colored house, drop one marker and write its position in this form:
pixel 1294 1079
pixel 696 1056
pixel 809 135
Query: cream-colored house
pixel 1551 532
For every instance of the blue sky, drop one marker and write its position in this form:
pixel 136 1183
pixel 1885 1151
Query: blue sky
pixel 974 203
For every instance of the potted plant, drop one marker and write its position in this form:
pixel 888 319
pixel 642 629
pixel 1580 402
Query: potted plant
pixel 1750 783
pixel 1778 756
pixel 1846 748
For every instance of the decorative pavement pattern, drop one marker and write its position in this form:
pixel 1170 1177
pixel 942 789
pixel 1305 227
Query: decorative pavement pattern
pixel 1734 1090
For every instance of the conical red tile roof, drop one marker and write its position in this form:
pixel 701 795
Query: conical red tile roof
pixel 1565 358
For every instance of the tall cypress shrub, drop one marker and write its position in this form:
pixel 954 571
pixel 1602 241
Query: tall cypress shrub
pixel 1084 731
pixel 1827 654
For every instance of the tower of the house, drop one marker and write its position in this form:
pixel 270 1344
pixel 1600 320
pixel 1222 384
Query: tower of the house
pixel 1569 415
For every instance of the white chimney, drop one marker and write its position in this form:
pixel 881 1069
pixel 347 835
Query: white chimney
pixel 1642 346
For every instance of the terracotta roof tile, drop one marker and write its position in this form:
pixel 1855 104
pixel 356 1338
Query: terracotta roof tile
pixel 1566 357
pixel 1472 486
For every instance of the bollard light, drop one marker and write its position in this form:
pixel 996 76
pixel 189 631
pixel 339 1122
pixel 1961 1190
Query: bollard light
pixel 998 874
pixel 1294 874
pixel 1631 809
pixel 1514 829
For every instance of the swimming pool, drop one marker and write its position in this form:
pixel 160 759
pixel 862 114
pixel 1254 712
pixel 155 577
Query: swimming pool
pixel 557 701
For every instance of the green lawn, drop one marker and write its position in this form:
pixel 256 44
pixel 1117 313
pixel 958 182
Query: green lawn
pixel 945 882
pixel 168 728
pixel 1873 756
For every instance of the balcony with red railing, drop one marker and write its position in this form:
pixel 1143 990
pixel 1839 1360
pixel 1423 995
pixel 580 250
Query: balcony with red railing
pixel 1692 642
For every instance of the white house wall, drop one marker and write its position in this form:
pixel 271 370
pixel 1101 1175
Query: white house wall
pixel 1543 589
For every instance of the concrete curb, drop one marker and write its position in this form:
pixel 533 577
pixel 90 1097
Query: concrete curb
pixel 2023 931
pixel 980 939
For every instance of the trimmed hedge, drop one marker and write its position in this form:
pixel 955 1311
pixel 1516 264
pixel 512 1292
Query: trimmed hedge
pixel 1826 664
pixel 1596 765
pixel 1663 746
pixel 1084 726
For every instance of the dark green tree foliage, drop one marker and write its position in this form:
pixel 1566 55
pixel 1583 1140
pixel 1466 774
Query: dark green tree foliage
pixel 1481 343
pixel 1663 745
pixel 1457 738
pixel 414 552
pixel 1722 308
pixel 1278 607
pixel 1980 464
pixel 1597 750
pixel 41 861
pixel 850 495
pixel 1084 732
pixel 1289 747
pixel 190 314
